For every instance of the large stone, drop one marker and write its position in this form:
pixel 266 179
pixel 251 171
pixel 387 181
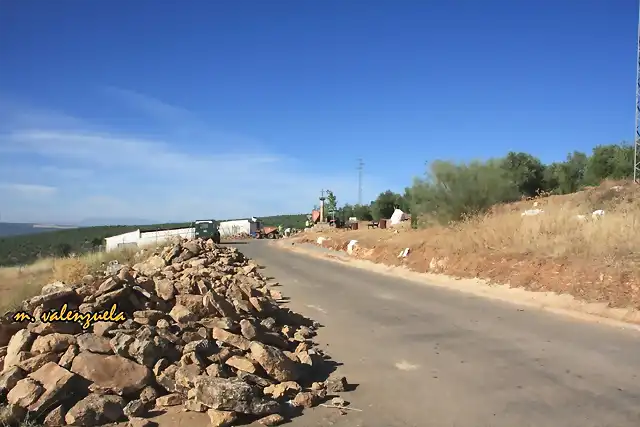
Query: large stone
pixel 237 341
pixel 216 303
pixel 36 362
pixel 135 408
pixel 173 399
pixel 194 303
pixel 55 418
pixel 9 378
pixel 8 329
pixel 21 341
pixel 114 372
pixel 221 418
pixel 164 289
pixel 146 351
pixel 67 357
pixel 95 410
pixel 58 385
pixel 242 364
pixel 336 384
pixel 271 420
pixel 281 389
pixel 46 328
pixel 94 343
pixel 232 394
pixel 55 342
pixel 148 317
pixel 102 328
pixel 120 343
pixel 248 330
pixel 25 392
pixel 53 299
pixel 150 267
pixel 182 314
pixel 274 362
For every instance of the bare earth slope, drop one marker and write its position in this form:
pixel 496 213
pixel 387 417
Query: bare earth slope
pixel 429 356
pixel 564 249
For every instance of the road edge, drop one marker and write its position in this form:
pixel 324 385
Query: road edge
pixel 565 305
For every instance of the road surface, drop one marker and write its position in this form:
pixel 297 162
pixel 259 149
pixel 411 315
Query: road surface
pixel 427 356
pixel 432 357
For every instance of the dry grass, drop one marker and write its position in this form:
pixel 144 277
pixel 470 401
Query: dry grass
pixel 20 283
pixel 594 259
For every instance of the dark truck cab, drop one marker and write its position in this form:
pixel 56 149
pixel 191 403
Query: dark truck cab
pixel 207 229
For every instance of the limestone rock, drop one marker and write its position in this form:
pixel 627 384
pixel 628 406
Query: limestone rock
pixel 274 362
pixel 114 372
pixel 95 410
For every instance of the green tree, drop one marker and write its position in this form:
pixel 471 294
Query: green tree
pixel 385 204
pixel 331 204
pixel 405 201
pixel 571 173
pixel 346 212
pixel 453 191
pixel 614 161
pixel 526 171
pixel 362 212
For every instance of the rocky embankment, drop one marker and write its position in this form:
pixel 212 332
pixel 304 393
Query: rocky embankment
pixel 203 330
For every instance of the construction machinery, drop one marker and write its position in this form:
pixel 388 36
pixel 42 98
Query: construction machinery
pixel 268 233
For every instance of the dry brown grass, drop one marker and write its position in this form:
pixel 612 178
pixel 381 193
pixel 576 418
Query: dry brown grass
pixel 594 259
pixel 20 283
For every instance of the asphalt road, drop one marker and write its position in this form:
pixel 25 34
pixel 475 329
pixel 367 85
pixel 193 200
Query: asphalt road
pixel 427 356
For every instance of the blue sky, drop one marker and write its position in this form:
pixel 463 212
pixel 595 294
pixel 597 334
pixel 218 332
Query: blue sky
pixel 179 110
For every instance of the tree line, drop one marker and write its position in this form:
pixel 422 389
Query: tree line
pixel 25 249
pixel 451 191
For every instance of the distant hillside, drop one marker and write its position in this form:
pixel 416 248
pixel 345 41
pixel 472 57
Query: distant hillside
pixel 20 228
pixel 101 222
pixel 24 248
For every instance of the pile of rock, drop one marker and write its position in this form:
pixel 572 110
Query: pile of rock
pixel 204 330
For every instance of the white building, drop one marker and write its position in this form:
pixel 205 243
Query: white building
pixel 143 238
pixel 231 228
pixel 152 237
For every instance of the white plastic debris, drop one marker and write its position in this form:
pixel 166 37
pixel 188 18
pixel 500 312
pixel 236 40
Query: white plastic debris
pixel 403 253
pixel 321 239
pixel 531 212
pixel 351 245
pixel 597 213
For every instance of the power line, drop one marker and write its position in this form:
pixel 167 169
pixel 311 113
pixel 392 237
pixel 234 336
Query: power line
pixel 636 139
pixel 360 166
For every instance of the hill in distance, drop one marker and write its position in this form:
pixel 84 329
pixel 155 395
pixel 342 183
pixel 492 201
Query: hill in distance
pixel 100 222
pixel 20 228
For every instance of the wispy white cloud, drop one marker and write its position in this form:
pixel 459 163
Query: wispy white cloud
pixel 115 173
pixel 28 190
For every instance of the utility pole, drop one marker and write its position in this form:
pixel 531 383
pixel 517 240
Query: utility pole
pixel 322 199
pixel 636 139
pixel 360 166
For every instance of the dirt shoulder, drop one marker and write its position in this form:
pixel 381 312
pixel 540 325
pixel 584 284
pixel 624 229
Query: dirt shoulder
pixel 588 290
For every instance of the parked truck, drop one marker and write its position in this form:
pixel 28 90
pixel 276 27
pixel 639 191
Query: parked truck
pixel 207 229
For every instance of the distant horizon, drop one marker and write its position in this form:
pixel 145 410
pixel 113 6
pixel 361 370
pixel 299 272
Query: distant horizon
pixel 104 222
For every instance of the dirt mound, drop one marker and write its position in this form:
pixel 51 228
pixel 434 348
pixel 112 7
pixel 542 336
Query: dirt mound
pixel 195 325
